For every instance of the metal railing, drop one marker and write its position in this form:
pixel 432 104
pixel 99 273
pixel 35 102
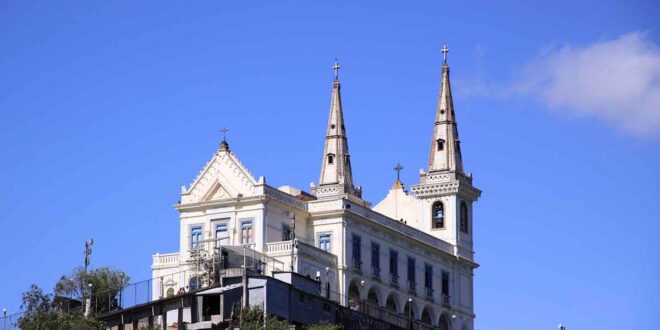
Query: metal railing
pixel 160 287
pixel 10 321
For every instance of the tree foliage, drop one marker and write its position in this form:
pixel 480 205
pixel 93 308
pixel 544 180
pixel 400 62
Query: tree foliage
pixel 64 309
pixel 105 286
pixel 42 313
pixel 324 326
pixel 253 319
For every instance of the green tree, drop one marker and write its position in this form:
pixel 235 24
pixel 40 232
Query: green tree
pixel 324 326
pixel 41 313
pixel 103 292
pixel 253 319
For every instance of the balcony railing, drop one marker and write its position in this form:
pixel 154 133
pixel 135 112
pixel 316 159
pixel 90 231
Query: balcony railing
pixel 376 273
pixel 357 266
pixel 445 300
pixel 429 293
pixel 392 317
pixel 165 259
pixel 394 280
pixel 283 249
pixel 412 287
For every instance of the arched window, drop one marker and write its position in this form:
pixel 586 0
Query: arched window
pixel 331 158
pixel 464 218
pixel 444 323
pixel 438 214
pixel 441 144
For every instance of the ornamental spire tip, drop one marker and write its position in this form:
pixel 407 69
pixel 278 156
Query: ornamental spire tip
pixel 336 67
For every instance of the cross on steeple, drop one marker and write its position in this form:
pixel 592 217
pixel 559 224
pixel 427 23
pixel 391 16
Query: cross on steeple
pixel 444 50
pixel 224 131
pixel 336 67
pixel 398 169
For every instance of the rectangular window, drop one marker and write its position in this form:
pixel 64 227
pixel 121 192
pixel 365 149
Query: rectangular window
pixel 375 255
pixel 428 276
pixel 247 236
pixel 357 251
pixel 445 283
pixel 394 262
pixel 195 236
pixel 286 232
pixel 221 234
pixel 411 269
pixel 325 242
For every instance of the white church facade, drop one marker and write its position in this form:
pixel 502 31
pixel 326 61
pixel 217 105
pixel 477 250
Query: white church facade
pixel 411 253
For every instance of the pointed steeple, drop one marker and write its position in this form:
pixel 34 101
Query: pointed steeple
pixel 336 177
pixel 445 147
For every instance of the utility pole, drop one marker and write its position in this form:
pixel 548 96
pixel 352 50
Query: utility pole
pixel 293 239
pixel 88 252
pixel 410 317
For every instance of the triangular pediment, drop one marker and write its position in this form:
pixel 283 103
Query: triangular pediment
pixel 217 191
pixel 222 177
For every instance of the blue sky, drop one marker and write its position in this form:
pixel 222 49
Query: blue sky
pixel 107 109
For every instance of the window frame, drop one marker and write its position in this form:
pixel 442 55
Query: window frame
pixel 434 219
pixel 375 252
pixel 217 225
pixel 445 283
pixel 357 250
pixel 428 276
pixel 440 144
pixel 410 269
pixel 250 235
pixel 394 262
pixel 321 238
pixel 190 234
pixel 286 228
pixel 464 218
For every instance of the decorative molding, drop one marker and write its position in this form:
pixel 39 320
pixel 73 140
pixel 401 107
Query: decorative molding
pixel 222 162
pixel 435 189
pixel 432 178
pixel 316 206
pixel 446 188
pixel 323 191
pixel 284 197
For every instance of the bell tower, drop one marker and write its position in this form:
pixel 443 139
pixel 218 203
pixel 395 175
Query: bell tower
pixel 336 177
pixel 445 191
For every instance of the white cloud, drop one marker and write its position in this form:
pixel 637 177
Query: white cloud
pixel 616 80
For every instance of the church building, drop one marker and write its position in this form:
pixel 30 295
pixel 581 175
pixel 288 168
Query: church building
pixel 411 254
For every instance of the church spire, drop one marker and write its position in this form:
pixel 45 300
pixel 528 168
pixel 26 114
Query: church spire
pixel 336 177
pixel 445 146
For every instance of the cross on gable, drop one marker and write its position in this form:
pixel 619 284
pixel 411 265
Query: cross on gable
pixel 398 169
pixel 224 131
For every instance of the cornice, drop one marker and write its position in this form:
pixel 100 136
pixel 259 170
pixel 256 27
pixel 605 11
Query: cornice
pixel 232 201
pixel 433 188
